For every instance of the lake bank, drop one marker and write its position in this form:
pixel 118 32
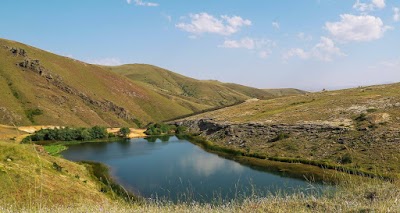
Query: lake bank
pixel 305 144
pixel 175 169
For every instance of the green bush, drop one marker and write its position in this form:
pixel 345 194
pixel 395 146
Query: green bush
pixel 346 159
pixel 124 131
pixel 30 113
pixel 99 132
pixel 68 134
pixel 160 129
pixel 181 130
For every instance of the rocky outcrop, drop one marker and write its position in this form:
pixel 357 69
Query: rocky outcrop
pixel 240 134
pixel 18 51
pixel 35 66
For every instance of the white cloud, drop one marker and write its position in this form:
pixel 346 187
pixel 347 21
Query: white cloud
pixel 105 61
pixel 396 16
pixel 276 25
pixel 365 7
pixel 205 23
pixel 142 3
pixel 264 54
pixel 379 3
pixel 357 28
pixel 247 43
pixel 296 52
pixel 304 37
pixel 263 46
pixel 325 50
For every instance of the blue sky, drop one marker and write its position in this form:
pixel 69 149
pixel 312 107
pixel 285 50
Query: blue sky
pixel 307 44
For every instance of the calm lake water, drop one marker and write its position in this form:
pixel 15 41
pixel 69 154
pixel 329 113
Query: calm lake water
pixel 178 170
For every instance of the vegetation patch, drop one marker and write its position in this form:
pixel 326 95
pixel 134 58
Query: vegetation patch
pixel 160 129
pixel 31 113
pixel 55 150
pixel 109 186
pixel 68 134
pixel 360 118
pixel 279 137
pixel 124 132
pixel 346 159
pixel 236 154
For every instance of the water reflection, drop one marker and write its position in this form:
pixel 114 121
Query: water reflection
pixel 171 167
pixel 206 165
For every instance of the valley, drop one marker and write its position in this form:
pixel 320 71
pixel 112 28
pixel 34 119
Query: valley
pixel 345 137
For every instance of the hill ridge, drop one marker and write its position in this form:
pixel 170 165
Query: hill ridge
pixel 39 87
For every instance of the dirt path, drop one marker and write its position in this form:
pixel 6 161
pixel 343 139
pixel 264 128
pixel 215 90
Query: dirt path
pixel 135 133
pixel 16 134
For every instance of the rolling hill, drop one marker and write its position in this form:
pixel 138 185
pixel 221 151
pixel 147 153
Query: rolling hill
pixel 285 92
pixel 356 129
pixel 38 87
pixel 196 94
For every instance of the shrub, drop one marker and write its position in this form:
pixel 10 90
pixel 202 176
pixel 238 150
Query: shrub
pixel 57 167
pixel 160 129
pixel 85 134
pixel 362 117
pixel 346 159
pixel 68 134
pixel 98 132
pixel 279 137
pixel 180 130
pixel 124 131
pixel 30 113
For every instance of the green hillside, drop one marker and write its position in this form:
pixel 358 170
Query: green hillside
pixel 190 92
pixel 285 92
pixel 38 87
pixel 356 129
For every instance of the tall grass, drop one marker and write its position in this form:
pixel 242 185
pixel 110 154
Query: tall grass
pixel 352 196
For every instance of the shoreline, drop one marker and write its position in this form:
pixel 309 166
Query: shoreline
pixel 297 168
pixel 305 169
pixel 102 174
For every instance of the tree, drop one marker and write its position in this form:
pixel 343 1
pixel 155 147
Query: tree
pixel 180 130
pixel 85 135
pixel 124 131
pixel 98 132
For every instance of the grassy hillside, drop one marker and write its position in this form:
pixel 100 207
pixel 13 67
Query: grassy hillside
pixel 285 92
pixel 42 88
pixel 355 128
pixel 29 177
pixel 38 87
pixel 190 92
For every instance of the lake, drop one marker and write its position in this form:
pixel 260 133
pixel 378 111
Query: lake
pixel 177 170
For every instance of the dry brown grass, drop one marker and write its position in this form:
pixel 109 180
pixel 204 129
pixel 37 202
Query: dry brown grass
pixel 371 142
pixel 351 197
pixel 28 177
pixel 135 133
